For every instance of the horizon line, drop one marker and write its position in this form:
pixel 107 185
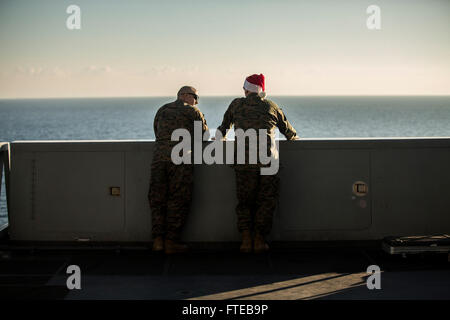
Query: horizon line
pixel 231 95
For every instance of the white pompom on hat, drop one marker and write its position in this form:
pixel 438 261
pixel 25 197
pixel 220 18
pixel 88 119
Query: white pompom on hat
pixel 256 83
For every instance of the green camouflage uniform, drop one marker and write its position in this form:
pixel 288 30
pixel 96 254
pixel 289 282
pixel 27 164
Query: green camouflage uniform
pixel 171 185
pixel 257 194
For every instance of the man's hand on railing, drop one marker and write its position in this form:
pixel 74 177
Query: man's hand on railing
pixel 221 139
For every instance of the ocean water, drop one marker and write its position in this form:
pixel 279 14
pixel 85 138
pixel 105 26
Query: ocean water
pixel 132 118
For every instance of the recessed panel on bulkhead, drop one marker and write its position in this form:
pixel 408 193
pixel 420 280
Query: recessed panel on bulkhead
pixel 78 194
pixel 325 189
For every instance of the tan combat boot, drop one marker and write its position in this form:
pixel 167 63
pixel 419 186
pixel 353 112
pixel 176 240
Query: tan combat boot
pixel 158 244
pixel 246 246
pixel 173 247
pixel 260 244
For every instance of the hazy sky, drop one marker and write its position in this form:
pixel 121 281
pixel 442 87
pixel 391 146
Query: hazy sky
pixel 151 48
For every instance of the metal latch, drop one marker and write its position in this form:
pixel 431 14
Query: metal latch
pixel 360 188
pixel 115 191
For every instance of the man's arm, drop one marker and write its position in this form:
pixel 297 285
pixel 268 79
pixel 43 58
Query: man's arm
pixel 285 126
pixel 155 124
pixel 205 128
pixel 228 120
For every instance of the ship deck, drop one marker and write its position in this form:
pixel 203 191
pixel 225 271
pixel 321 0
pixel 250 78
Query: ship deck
pixel 335 271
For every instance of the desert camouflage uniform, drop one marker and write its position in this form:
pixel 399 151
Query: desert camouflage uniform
pixel 171 185
pixel 257 194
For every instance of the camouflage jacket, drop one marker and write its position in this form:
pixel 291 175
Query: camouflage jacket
pixel 172 116
pixel 253 112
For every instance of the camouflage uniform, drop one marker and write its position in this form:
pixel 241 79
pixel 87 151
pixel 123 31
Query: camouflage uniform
pixel 171 185
pixel 257 194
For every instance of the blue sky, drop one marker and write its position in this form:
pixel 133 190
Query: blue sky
pixel 151 48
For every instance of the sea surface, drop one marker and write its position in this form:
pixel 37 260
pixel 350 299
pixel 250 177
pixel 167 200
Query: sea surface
pixel 132 118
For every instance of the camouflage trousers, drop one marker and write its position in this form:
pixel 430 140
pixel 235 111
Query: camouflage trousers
pixel 170 197
pixel 257 199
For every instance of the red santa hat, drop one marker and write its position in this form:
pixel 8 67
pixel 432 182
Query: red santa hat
pixel 255 83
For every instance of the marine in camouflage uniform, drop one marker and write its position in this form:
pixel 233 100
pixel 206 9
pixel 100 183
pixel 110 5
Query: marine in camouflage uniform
pixel 171 185
pixel 257 194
